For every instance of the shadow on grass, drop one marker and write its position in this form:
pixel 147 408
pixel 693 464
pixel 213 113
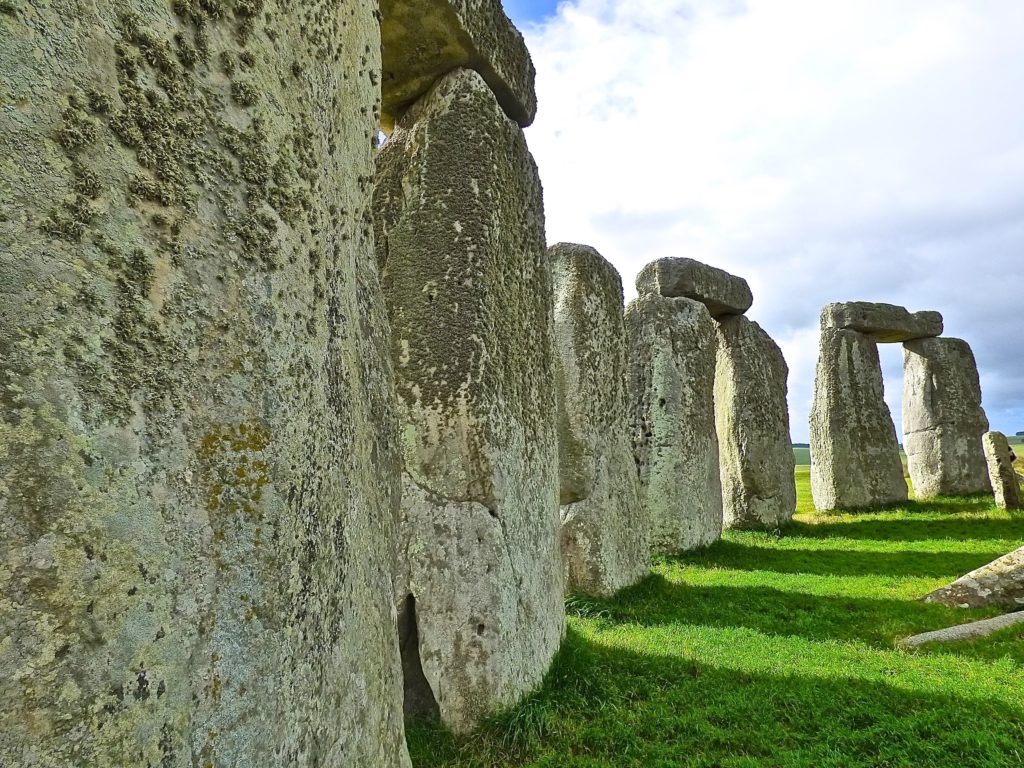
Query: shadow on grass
pixel 603 706
pixel 873 621
pixel 835 562
pixel 912 530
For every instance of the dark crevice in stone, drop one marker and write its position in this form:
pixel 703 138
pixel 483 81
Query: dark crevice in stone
pixel 420 703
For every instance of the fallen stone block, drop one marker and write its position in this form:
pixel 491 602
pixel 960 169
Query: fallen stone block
pixel 882 322
pixel 422 40
pixel 671 347
pixel 976 630
pixel 604 538
pixel 721 292
pixel 855 456
pixel 1005 481
pixel 999 583
pixel 943 420
pixel 752 420
pixel 460 239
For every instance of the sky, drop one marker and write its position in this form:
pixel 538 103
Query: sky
pixel 825 150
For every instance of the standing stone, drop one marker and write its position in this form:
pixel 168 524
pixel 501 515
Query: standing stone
pixel 752 419
pixel 1000 584
pixel 721 292
pixel 460 238
pixel 855 457
pixel 943 420
pixel 1005 483
pixel 198 458
pixel 604 538
pixel 671 347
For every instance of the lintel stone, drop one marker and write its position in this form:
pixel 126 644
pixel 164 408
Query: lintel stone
pixel 422 40
pixel 722 293
pixel 885 323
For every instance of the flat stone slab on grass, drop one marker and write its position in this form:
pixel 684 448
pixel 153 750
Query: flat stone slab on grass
pixel 1004 479
pixel 976 630
pixel 882 322
pixel 721 292
pixel 999 583
pixel 424 39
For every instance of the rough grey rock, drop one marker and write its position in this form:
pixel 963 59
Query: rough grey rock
pixel 855 457
pixel 1004 479
pixel 460 237
pixel 198 456
pixel 721 292
pixel 973 631
pixel 752 421
pixel 424 39
pixel 999 583
pixel 604 536
pixel 943 420
pixel 882 322
pixel 671 348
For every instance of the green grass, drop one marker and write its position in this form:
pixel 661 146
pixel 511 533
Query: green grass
pixel 778 650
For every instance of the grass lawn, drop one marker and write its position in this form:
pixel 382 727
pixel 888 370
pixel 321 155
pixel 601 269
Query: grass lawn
pixel 778 650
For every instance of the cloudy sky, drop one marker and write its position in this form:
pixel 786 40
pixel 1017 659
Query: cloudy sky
pixel 826 150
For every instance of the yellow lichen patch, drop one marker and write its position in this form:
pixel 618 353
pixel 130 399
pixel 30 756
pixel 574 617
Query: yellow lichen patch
pixel 234 467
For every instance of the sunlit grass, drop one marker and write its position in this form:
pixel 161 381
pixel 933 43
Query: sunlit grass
pixel 778 650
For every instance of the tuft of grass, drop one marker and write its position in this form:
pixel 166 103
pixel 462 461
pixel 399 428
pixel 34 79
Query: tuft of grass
pixel 777 650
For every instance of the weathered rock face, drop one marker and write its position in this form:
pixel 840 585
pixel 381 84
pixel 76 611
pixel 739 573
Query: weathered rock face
pixel 855 457
pixel 752 419
pixel 604 532
pixel 721 292
pixel 424 39
pixel 943 420
pixel 198 459
pixel 882 322
pixel 671 347
pixel 460 237
pixel 1001 474
pixel 1000 583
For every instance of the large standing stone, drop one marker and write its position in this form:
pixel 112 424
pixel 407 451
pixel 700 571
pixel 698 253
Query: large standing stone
pixel 752 419
pixel 721 292
pixel 198 459
pixel 424 39
pixel 604 536
pixel 882 322
pixel 943 420
pixel 855 457
pixel 1000 583
pixel 671 347
pixel 460 226
pixel 1005 483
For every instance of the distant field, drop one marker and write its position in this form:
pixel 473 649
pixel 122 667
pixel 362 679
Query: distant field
pixel 802 456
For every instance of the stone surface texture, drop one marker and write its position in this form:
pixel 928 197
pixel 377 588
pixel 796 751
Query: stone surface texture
pixel 460 238
pixel 199 469
pixel 972 631
pixel 721 292
pixel 1000 583
pixel 671 380
pixel 752 421
pixel 424 39
pixel 882 322
pixel 855 456
pixel 943 420
pixel 1001 474
pixel 604 536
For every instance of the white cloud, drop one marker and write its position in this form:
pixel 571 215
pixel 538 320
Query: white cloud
pixel 823 150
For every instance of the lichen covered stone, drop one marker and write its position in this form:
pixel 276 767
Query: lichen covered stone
pixel 198 455
pixel 943 420
pixel 882 322
pixel 424 39
pixel 460 240
pixel 671 380
pixel 855 456
pixel 604 539
pixel 1004 479
pixel 999 583
pixel 752 418
pixel 721 292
